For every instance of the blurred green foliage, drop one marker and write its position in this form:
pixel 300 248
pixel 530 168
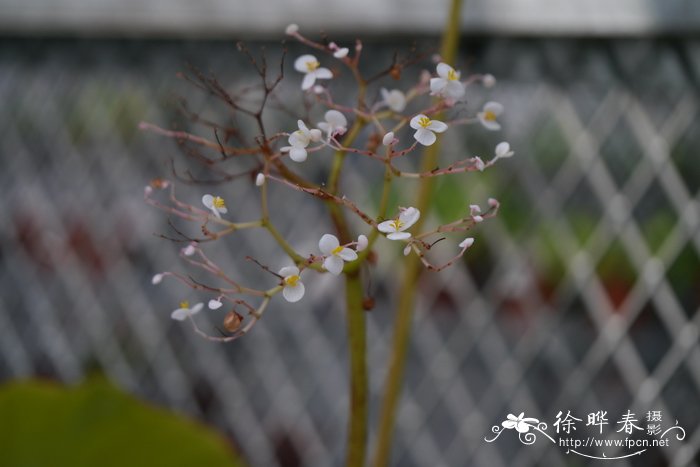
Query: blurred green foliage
pixel 44 424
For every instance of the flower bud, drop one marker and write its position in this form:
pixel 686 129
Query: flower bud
pixel 291 29
pixel 157 279
pixel 466 243
pixel 260 179
pixel 488 81
pixel 232 321
pixel 362 242
pixel 388 139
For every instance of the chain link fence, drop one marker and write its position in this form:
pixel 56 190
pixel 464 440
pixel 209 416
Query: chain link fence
pixel 582 295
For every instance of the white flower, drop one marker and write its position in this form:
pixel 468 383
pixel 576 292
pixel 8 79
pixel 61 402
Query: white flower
pixel 448 84
pixel 335 254
pixel 407 250
pixel 396 228
pixel 466 243
pixel 388 139
pixel 260 179
pixel 189 250
pixel 293 289
pixel 488 80
pixel 426 129
pixel 489 114
pixel 184 311
pixel 394 99
pixel 215 204
pixel 335 124
pixel 474 209
pixel 362 242
pixel 157 279
pixel 215 304
pixel 521 424
pixel 312 69
pixel 503 151
pixel 338 52
pixel 291 29
pixel 299 140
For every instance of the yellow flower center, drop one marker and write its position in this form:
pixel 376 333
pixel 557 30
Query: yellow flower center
pixel 292 281
pixel 452 75
pixel 312 65
pixel 218 202
pixel 396 224
pixel 424 122
pixel 490 116
pixel 337 250
pixel 184 304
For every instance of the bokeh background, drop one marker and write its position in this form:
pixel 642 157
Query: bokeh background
pixel 582 295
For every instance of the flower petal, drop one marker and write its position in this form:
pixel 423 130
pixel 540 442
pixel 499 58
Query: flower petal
pixel 294 294
pixel 386 226
pixel 437 85
pixel 298 154
pixel 494 107
pixel 334 265
pixel 509 424
pixel 300 63
pixel 328 243
pixel 208 201
pixel 388 138
pixel 362 242
pixel 289 271
pixel 347 254
pixel 180 314
pixel 425 137
pixel 503 150
pixel 336 118
pixel 398 236
pixel 323 73
pixel 415 121
pixel 454 89
pixel 308 81
pixel 488 124
pixel 196 309
pixel 437 126
pixel 443 70
pixel 408 217
pixel 215 304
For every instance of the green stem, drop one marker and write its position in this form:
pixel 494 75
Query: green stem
pixel 412 269
pixel 357 345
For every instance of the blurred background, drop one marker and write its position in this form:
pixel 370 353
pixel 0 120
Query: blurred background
pixel 582 294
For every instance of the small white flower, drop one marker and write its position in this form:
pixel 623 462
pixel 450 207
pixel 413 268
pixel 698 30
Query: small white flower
pixel 478 218
pixel 447 84
pixel 488 80
pixel 521 424
pixel 291 29
pixel 489 114
pixel 426 129
pixel 407 250
pixel 310 66
pixel 338 52
pixel 189 250
pixel 466 243
pixel 394 99
pixel 479 164
pixel 503 151
pixel 388 139
pixel 260 179
pixel 474 209
pixel 184 311
pixel 215 304
pixel 362 242
pixel 335 254
pixel 293 289
pixel 335 124
pixel 157 279
pixel 396 228
pixel 299 140
pixel 215 204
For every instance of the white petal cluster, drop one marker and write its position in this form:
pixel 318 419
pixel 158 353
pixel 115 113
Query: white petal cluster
pixel 426 129
pixel 447 84
pixel 394 99
pixel 293 290
pixel 185 311
pixel 489 115
pixel 215 204
pixel 338 52
pixel 466 243
pixel 362 242
pixel 396 228
pixel 300 140
pixel 312 69
pixel 335 123
pixel 503 151
pixel 335 254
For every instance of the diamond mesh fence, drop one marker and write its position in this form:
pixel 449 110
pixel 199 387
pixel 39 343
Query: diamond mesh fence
pixel 581 295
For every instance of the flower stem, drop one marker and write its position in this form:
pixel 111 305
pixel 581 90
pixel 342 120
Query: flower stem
pixel 412 268
pixel 357 345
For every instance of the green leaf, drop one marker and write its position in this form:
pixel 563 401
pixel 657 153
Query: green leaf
pixel 94 424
